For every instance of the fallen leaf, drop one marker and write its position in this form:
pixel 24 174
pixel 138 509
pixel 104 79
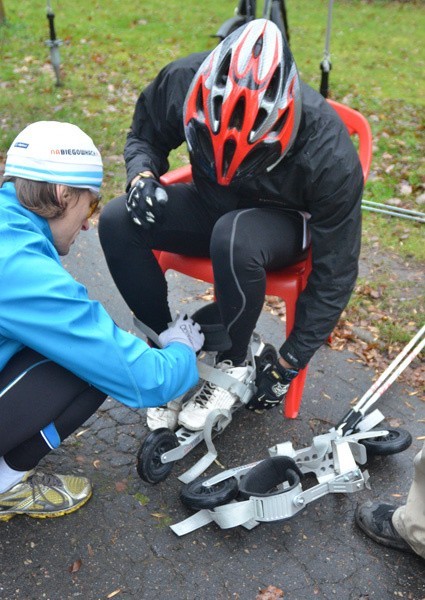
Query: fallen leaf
pixel 121 486
pixel 394 423
pixel 81 432
pixel 114 593
pixel 405 188
pixel 270 593
pixel 76 566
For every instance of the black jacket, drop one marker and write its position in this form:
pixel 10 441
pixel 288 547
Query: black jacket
pixel 320 175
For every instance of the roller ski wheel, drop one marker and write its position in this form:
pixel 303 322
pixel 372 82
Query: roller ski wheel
pixel 395 441
pixel 149 465
pixel 196 496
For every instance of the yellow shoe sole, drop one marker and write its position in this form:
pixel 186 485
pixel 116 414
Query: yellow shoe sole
pixel 50 515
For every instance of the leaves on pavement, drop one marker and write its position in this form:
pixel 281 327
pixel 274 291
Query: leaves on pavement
pixel 270 593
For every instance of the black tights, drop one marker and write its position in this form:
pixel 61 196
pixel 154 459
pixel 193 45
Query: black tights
pixel 35 392
pixel 243 244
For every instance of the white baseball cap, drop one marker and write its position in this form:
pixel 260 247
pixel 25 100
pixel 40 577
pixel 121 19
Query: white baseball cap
pixel 56 153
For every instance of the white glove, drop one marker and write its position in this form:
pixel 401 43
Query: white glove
pixel 183 329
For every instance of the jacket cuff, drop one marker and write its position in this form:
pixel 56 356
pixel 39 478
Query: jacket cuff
pixel 288 353
pixel 135 171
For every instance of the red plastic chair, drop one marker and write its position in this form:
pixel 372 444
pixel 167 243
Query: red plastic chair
pixel 287 283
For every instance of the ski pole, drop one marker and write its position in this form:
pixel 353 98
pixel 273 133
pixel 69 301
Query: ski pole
pixel 392 213
pixel 356 414
pixel 397 209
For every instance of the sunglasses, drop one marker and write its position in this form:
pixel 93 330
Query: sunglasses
pixel 94 205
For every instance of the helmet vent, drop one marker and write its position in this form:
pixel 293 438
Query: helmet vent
pixel 260 118
pixel 223 72
pixel 199 101
pixel 273 88
pixel 217 103
pixel 228 153
pixel 280 123
pixel 205 142
pixel 258 46
pixel 238 115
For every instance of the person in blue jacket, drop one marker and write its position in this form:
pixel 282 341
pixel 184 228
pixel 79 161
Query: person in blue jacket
pixel 61 353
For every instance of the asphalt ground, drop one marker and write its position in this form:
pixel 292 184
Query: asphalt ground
pixel 120 544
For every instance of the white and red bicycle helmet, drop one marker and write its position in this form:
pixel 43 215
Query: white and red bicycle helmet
pixel 243 108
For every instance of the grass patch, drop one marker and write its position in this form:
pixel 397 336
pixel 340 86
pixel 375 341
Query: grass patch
pixel 401 236
pixel 388 308
pixel 109 54
pixel 141 499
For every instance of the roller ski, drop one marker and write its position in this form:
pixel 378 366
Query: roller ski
pixel 272 489
pixel 163 447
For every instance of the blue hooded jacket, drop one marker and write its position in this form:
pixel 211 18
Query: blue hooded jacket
pixel 44 308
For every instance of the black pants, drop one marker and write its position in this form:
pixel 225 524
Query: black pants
pixel 34 393
pixel 243 244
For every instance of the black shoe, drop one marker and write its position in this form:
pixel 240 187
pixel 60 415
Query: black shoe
pixel 375 520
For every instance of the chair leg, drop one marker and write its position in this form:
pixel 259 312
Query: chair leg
pixel 294 396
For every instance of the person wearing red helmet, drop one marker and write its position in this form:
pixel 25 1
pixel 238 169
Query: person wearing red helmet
pixel 274 170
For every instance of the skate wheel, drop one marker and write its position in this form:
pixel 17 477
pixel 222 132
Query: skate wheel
pixel 149 465
pixel 197 496
pixel 395 441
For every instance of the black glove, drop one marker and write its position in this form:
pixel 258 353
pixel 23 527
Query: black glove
pixel 272 383
pixel 145 202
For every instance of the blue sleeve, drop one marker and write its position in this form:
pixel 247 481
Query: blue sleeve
pixel 44 308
